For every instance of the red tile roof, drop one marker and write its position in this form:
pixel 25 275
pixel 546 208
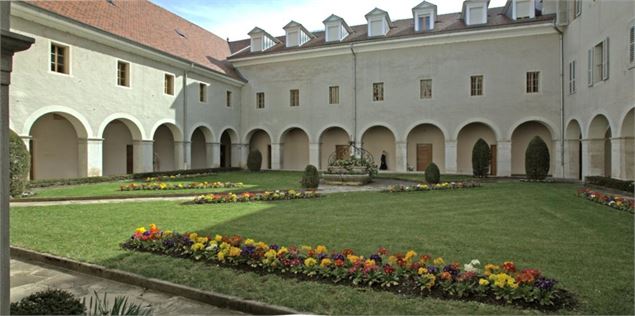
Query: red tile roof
pixel 146 23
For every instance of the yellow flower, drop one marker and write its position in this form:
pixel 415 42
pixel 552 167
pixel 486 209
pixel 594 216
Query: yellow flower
pixel 193 236
pixel 218 237
pixel 234 252
pixel 422 271
pixel 409 255
pixel 262 245
pixel 309 262
pixel 249 242
pixel 140 230
pixel 483 282
pixel 438 261
pixel 490 268
pixel 320 249
pixel 369 263
pixel 197 246
pixel 202 240
pixel 221 256
pixel 352 258
pixel 282 251
pixel 392 260
pixel 271 254
pixel 325 262
pixel 306 248
pixel 428 280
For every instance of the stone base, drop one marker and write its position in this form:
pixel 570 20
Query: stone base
pixel 345 179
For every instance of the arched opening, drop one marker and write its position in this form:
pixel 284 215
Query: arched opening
pixel 521 137
pixel 294 144
pixel 58 147
pixel 261 141
pixel 380 141
pixel 333 140
pixel 199 148
pixel 164 155
pixel 465 141
pixel 118 149
pixel 226 139
pixel 426 144
pixel 628 146
pixel 599 147
pixel 573 150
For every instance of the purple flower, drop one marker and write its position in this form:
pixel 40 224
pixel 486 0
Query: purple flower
pixel 274 247
pixel 544 283
pixel 321 256
pixel 168 243
pixel 338 256
pixel 248 250
pixel 432 269
pixel 376 257
pixel 451 269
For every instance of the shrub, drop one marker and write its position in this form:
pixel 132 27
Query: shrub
pixel 311 177
pixel 537 159
pixel 481 158
pixel 19 165
pixel 432 173
pixel 101 306
pixel 49 302
pixel 626 186
pixel 254 160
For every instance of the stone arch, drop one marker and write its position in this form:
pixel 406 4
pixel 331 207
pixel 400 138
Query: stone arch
pixel 294 149
pixel 425 122
pixel 551 128
pixel 134 125
pixel 425 144
pixel 227 138
pixel 521 135
pixel 333 139
pixel 599 147
pixel 171 124
pixel 259 139
pixel 466 138
pixel 201 139
pixel 58 145
pixel 627 134
pixel 380 140
pixel 165 136
pixel 573 150
pixel 79 122
pixel 118 148
pixel 486 122
pixel 205 128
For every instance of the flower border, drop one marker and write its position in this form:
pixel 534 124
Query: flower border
pixel 251 196
pixel 432 187
pixel 403 273
pixel 163 186
pixel 611 200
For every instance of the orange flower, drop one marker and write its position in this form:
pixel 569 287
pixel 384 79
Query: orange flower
pixel 446 276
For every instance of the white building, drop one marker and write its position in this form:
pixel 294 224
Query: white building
pixel 113 87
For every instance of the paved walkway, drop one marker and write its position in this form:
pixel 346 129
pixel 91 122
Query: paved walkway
pixel 28 278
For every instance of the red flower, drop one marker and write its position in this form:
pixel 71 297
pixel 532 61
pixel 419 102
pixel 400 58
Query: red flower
pixel 424 258
pixel 382 251
pixel 388 269
pixel 446 276
pixel 509 266
pixel 339 262
pixel 347 252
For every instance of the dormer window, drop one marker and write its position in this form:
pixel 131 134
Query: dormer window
pixel 335 29
pixel 475 12
pixel 424 15
pixel 261 40
pixel 378 22
pixel 296 34
pixel 520 9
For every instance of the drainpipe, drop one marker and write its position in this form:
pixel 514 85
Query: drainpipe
pixel 354 95
pixel 562 74
pixel 185 162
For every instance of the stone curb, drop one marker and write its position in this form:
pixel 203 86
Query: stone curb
pixel 207 297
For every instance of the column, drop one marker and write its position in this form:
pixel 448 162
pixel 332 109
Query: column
pixel 94 156
pixel 586 162
pixel 401 156
pixel 276 162
pixel 213 154
pixel 558 168
pixel 617 145
pixel 571 154
pixel 595 156
pixel 143 156
pixel 242 151
pixel 182 155
pixel 314 155
pixel 504 158
pixel 451 151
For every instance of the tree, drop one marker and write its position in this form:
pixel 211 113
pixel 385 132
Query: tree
pixel 311 177
pixel 433 175
pixel 537 159
pixel 19 165
pixel 254 161
pixel 481 158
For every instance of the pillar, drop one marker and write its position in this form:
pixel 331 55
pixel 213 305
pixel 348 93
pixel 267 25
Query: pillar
pixel 213 154
pixel 94 157
pixel 595 156
pixel 451 151
pixel 401 156
pixel 182 153
pixel 571 154
pixel 504 158
pixel 276 149
pixel 558 168
pixel 143 156
pixel 617 146
pixel 243 153
pixel 314 154
pixel 586 161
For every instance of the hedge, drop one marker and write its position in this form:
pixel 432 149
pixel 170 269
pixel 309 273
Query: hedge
pixel 626 186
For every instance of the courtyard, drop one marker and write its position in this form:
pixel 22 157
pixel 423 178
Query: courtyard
pixel 586 246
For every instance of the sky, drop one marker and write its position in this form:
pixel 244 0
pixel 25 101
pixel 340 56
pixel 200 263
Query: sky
pixel 233 19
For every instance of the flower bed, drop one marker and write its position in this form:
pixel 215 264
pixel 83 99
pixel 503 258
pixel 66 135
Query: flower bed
pixel 432 187
pixel 404 273
pixel 178 186
pixel 614 201
pixel 250 196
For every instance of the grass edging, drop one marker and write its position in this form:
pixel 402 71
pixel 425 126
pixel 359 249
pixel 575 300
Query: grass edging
pixel 207 297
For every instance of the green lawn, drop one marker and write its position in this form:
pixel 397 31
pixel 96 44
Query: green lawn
pixel 253 181
pixel 588 247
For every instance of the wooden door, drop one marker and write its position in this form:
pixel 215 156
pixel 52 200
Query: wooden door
pixel 341 152
pixel 492 167
pixel 129 159
pixel 424 156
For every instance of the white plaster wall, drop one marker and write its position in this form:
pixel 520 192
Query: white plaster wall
pixel 116 137
pixel 520 140
pixel 163 148
pixel 427 134
pixel 295 150
pixel 55 147
pixel 199 153
pixel 260 141
pixel 328 142
pixel 466 140
pixel 378 139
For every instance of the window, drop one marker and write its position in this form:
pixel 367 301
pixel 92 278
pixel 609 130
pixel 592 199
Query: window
pixel 260 100
pixel 202 92
pixel 378 91
pixel 476 85
pixel 59 58
pixel 334 95
pixel 123 74
pixel 228 98
pixel 425 89
pixel 598 63
pixel 631 40
pixel 168 84
pixel 424 23
pixel 533 82
pixel 577 5
pixel 572 77
pixel 294 97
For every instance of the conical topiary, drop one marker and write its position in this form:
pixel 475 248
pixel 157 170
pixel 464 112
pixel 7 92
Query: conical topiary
pixel 254 160
pixel 481 158
pixel 433 175
pixel 19 165
pixel 537 159
pixel 311 177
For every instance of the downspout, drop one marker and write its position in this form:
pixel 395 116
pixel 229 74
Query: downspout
pixel 562 74
pixel 185 162
pixel 354 95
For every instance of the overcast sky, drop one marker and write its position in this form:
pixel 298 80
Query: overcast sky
pixel 235 18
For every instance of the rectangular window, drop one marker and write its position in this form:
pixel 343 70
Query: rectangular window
pixel 334 95
pixel 202 92
pixel 260 100
pixel 378 91
pixel 533 82
pixel 631 40
pixel 59 58
pixel 294 97
pixel 572 77
pixel 425 89
pixel 228 98
pixel 598 63
pixel 168 84
pixel 123 74
pixel 577 4
pixel 476 85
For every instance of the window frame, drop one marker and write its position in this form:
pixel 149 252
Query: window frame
pixel 532 87
pixel 228 98
pixel 171 90
pixel 572 75
pixel 631 45
pixel 202 92
pixel 422 95
pixel 67 58
pixel 577 8
pixel 479 88
pixel 294 98
pixel 128 74
pixel 334 95
pixel 378 94
pixel 258 99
